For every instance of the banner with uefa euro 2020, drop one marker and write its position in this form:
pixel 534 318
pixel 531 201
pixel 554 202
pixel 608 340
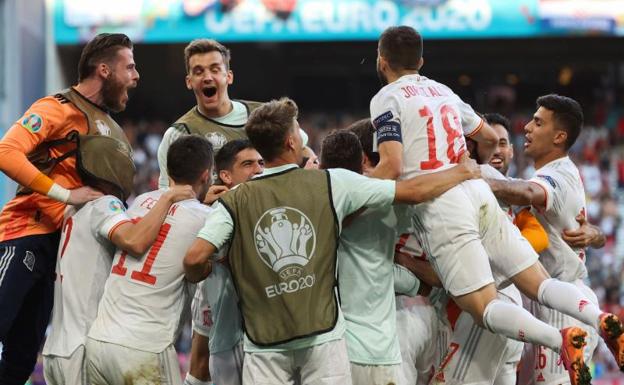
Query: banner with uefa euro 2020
pixel 162 21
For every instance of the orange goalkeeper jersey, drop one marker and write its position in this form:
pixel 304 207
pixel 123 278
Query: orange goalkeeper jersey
pixel 49 118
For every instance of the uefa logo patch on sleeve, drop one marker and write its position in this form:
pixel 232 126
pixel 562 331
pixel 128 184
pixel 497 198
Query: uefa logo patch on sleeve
pixel 32 123
pixel 115 206
pixel 548 179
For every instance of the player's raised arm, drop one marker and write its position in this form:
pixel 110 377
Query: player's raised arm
pixel 518 192
pixel 426 187
pixel 137 237
pixel 39 123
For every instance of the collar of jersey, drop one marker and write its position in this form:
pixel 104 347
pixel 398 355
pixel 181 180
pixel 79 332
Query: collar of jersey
pixel 278 169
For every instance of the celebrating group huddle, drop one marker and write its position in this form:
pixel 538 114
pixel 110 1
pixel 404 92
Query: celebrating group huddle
pixel 402 256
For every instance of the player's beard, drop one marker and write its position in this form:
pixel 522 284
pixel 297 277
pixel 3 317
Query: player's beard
pixel 112 92
pixel 504 169
pixel 382 77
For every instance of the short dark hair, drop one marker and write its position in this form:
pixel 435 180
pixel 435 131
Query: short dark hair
pixel 226 155
pixel 496 118
pixel 199 46
pixel 567 113
pixel 269 124
pixel 103 48
pixel 342 149
pixel 402 47
pixel 188 157
pixel 364 130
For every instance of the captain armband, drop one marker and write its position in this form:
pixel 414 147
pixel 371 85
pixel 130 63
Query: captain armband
pixel 389 131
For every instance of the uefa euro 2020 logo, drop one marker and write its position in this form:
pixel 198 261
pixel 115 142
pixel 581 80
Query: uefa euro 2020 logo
pixel 217 140
pixel 285 241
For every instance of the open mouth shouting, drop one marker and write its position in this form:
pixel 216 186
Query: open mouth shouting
pixel 209 91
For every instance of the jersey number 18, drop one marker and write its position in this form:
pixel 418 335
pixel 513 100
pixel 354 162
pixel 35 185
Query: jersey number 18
pixel 450 123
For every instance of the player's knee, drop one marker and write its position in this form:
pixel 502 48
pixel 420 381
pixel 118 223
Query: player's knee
pixel 529 280
pixel 476 302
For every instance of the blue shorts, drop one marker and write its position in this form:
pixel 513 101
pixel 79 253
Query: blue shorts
pixel 27 267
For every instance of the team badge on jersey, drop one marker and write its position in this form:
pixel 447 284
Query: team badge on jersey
pixel 32 123
pixel 285 240
pixel 115 206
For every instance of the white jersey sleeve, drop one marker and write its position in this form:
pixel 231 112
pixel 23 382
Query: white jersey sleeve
pixel 385 110
pixel 547 181
pixel 108 214
pixel 490 172
pixel 170 136
pixel 470 121
pixel 565 199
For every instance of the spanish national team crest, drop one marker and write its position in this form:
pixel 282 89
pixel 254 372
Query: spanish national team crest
pixel 285 240
pixel 32 123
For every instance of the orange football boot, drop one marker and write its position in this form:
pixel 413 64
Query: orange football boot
pixel 572 355
pixel 612 332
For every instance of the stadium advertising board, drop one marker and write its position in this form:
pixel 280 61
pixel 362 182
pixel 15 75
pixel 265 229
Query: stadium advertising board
pixel 163 21
pixel 584 16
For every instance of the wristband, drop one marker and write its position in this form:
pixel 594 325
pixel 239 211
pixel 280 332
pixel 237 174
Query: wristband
pixel 190 380
pixel 41 184
pixel 59 193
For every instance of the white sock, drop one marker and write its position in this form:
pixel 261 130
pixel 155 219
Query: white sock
pixel 568 299
pixel 515 322
pixel 190 380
